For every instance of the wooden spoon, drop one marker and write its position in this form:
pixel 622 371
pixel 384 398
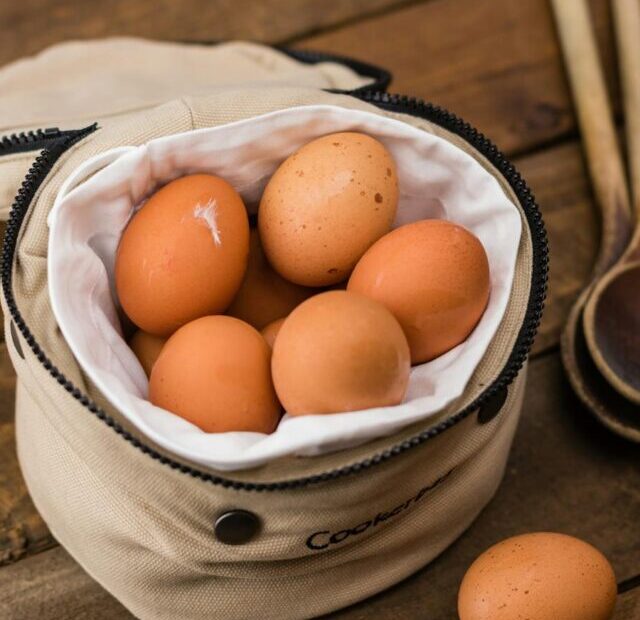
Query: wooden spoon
pixel 607 174
pixel 612 313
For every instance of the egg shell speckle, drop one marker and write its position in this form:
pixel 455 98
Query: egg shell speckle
pixel 325 205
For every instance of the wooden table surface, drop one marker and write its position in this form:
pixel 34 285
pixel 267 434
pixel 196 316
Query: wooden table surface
pixel 496 63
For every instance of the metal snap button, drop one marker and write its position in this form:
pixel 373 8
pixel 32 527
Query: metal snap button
pixel 492 407
pixel 16 340
pixel 236 527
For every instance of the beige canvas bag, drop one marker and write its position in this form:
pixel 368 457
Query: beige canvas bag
pixel 311 534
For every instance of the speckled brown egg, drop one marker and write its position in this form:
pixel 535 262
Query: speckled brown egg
pixel 147 348
pixel 340 351
pixel 183 255
pixel 540 576
pixel 270 332
pixel 434 277
pixel 264 295
pixel 325 205
pixel 215 372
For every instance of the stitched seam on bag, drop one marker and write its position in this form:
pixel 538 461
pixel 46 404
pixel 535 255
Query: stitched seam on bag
pixel 187 105
pixel 83 120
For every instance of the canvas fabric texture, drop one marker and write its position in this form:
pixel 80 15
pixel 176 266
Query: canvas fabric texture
pixel 145 530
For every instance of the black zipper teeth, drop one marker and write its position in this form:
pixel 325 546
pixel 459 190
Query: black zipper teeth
pixel 31 140
pixel 394 103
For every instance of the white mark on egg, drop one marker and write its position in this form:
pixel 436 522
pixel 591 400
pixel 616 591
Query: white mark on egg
pixel 208 214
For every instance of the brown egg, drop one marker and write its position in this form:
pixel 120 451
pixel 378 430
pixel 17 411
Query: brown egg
pixel 264 295
pixel 434 277
pixel 540 576
pixel 183 254
pixel 340 351
pixel 325 205
pixel 146 347
pixel 270 332
pixel 215 372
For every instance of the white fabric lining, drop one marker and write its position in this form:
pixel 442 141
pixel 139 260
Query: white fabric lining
pixel 436 179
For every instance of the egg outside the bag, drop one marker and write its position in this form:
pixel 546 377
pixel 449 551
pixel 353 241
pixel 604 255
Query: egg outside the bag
pixel 542 576
pixel 433 275
pixel 264 295
pixel 325 205
pixel 183 255
pixel 215 372
pixel 337 352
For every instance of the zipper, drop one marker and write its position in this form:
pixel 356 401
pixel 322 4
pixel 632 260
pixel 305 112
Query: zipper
pixel 31 140
pixel 394 103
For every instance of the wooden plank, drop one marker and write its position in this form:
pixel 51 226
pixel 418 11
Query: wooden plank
pixel 31 25
pixel 565 473
pixel 22 530
pixel 497 64
pixel 51 585
pixel 628 605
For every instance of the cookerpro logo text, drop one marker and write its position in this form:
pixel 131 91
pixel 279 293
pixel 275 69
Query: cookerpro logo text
pixel 323 539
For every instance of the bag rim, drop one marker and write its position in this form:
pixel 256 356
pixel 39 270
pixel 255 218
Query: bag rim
pixel 489 401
